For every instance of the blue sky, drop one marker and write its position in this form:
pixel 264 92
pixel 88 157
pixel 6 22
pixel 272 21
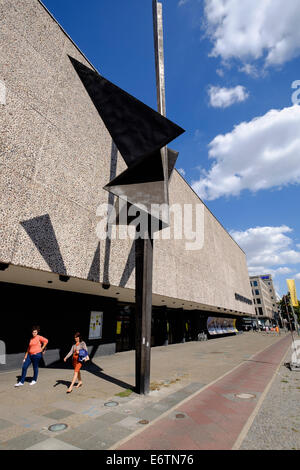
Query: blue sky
pixel 229 70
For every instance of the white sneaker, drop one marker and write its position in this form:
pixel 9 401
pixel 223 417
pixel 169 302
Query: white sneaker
pixel 33 382
pixel 19 384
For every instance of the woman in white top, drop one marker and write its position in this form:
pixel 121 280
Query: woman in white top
pixel 79 344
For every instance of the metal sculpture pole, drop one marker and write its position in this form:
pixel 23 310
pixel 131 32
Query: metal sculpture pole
pixel 143 293
pixel 144 247
pixel 160 66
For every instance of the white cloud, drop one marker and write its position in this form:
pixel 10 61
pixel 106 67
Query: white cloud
pixel 259 270
pixel 220 72
pixel 224 97
pixel 260 154
pixel 254 29
pixel 268 249
pixel 250 69
pixel 297 276
pixel 181 171
pixel 182 2
pixel 283 270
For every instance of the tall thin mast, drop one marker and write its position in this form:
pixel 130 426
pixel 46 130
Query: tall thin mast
pixel 160 75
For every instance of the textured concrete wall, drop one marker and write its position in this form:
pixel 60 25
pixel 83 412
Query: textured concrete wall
pixel 55 157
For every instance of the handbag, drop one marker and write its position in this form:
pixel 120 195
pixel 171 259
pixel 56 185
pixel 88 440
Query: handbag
pixel 82 355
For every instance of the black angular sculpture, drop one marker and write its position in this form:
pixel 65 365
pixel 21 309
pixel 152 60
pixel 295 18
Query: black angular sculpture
pixel 139 133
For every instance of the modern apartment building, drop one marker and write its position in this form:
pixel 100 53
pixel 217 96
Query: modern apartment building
pixel 264 296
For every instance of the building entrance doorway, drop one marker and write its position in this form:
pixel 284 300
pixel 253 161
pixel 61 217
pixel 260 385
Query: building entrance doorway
pixel 125 332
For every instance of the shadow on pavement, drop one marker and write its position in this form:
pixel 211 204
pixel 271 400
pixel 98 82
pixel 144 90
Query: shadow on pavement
pixel 94 369
pixel 89 366
pixel 62 382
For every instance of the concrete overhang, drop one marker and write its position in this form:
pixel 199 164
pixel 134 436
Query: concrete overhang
pixel 49 280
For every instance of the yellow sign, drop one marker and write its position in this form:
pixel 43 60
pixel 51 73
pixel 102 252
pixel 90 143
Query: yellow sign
pixel 292 289
pixel 119 325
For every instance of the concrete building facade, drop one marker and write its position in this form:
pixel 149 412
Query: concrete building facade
pixel 55 158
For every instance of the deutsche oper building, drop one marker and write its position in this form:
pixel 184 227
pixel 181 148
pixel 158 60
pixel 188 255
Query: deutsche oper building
pixel 55 270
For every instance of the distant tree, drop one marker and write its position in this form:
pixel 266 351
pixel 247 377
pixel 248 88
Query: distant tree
pixel 297 311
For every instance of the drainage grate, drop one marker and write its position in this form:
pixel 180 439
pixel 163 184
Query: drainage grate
pixel 245 396
pixel 180 416
pixel 143 421
pixel 57 427
pixel 111 403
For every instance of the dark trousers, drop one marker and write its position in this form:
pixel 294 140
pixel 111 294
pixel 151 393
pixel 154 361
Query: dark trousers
pixel 33 359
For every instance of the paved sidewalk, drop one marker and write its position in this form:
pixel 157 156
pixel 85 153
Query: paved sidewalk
pixel 214 418
pixel 178 373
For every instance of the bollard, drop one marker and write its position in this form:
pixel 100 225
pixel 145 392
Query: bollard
pixel 2 93
pixel 2 353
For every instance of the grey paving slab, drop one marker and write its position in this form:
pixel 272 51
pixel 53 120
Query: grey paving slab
pixel 150 413
pixel 36 423
pixel 23 442
pixel 5 424
pixel 193 387
pixel 58 414
pixel 113 433
pixel 73 406
pixel 107 438
pixel 161 407
pixel 170 401
pixel 94 411
pixel 75 437
pixel 180 395
pixel 98 438
pixel 111 418
pixel 52 444
pixel 94 402
pixel 131 422
pixel 93 426
pixel 95 443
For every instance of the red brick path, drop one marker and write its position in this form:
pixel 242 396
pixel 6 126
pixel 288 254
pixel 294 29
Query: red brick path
pixel 215 417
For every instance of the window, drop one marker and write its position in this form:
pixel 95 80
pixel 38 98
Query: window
pixel 260 310
pixel 258 301
pixel 255 283
pixel 256 292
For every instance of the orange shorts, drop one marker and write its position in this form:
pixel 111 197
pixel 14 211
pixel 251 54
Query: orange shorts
pixel 76 364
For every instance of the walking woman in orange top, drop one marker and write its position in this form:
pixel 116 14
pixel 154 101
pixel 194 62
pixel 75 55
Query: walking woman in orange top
pixel 33 355
pixel 79 344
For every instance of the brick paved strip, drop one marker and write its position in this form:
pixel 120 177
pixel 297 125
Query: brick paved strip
pixel 214 418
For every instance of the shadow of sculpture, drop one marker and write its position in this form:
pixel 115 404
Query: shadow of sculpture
pixel 62 382
pixel 92 368
pixel 111 199
pixel 129 266
pixel 42 234
pixel 94 272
